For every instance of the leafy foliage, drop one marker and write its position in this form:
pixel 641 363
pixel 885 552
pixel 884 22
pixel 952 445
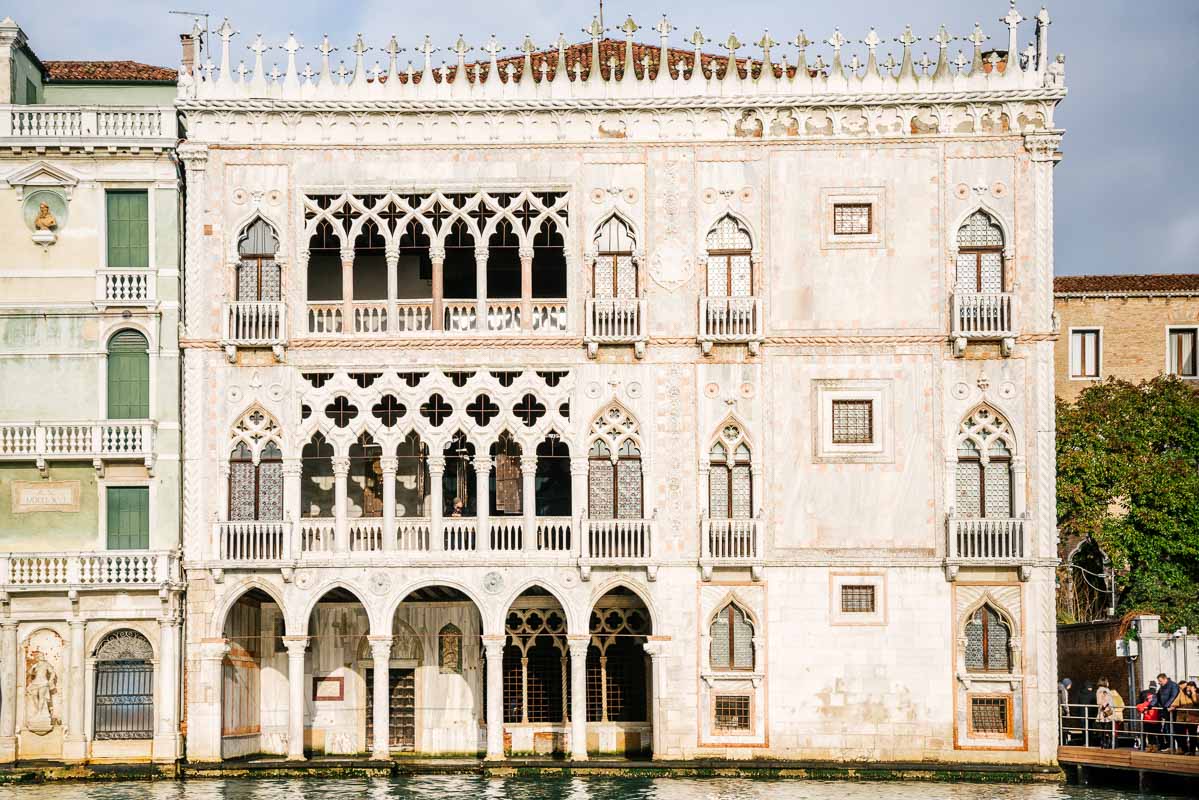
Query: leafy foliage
pixel 1128 477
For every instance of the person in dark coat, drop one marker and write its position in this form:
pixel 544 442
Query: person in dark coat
pixel 1167 693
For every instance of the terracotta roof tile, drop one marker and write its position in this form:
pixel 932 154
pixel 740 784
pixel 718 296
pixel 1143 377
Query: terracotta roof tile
pixel 107 71
pixel 1120 284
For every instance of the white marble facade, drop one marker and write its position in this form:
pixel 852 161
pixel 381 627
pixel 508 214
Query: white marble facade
pixel 792 398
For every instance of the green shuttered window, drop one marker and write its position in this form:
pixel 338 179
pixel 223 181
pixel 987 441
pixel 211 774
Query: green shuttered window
pixel 128 230
pixel 128 517
pixel 128 376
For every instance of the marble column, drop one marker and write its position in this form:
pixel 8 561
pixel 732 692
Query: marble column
pixel 296 645
pixel 392 254
pixel 204 708
pixel 437 258
pixel 436 500
pixel 483 501
pixel 656 652
pixel 341 514
pixel 528 499
pixel 578 646
pixel 347 290
pixel 75 741
pixel 481 288
pixel 8 689
pixel 166 737
pixel 388 465
pixel 494 648
pixel 380 710
pixel 526 288
pixel 578 502
pixel 293 470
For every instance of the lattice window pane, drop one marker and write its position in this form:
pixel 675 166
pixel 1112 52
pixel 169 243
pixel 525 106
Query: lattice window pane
pixel 991 274
pixel 980 231
pixel 989 716
pixel 968 495
pixel 602 502
pixel 270 290
pixel 731 713
pixel 628 488
pixel 853 422
pixel 718 491
pixel 595 686
pixel 247 280
pixel 967 272
pixel 241 490
pixel 997 642
pixel 851 219
pixel 742 492
pixel 604 268
pixel 513 685
pixel 545 682
pixel 626 680
pixel 270 490
pixel 626 277
pixel 857 599
pixel 743 644
pixel 741 270
pixel 719 655
pixel 728 235
pixel 718 276
pixel 974 644
pixel 998 478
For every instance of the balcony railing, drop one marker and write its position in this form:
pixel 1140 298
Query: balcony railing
pixel 617 542
pixel 730 543
pixel 730 320
pixel 549 316
pixel 253 323
pixel 370 317
pixel 324 318
pixel 986 541
pixel 983 316
pixel 252 540
pixel 90 126
pixel 126 287
pixel 616 320
pixel 97 441
pixel 102 570
pixel 414 316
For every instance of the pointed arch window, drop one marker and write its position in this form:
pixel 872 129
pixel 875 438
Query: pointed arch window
pixel 316 484
pixel 730 259
pixel 507 481
pixel 412 477
pixel 256 488
pixel 730 477
pixel 984 467
pixel 128 376
pixel 980 255
pixel 731 637
pixel 614 273
pixel 364 487
pixel 615 483
pixel 988 642
pixel 257 271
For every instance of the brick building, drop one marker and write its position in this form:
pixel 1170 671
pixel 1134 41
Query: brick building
pixel 1132 327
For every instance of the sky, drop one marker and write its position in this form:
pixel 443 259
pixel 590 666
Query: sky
pixel 1123 198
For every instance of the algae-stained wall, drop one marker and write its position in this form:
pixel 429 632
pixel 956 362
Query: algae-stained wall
pixel 49 530
pixel 141 93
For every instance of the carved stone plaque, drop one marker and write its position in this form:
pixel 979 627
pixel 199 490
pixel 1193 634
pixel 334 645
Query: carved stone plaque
pixel 35 496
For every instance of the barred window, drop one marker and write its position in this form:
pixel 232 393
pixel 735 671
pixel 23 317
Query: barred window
pixel 987 642
pixel 853 422
pixel 857 599
pixel 853 219
pixel 731 713
pixel 732 635
pixel 990 715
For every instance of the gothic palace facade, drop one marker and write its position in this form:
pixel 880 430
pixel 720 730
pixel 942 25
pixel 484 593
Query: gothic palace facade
pixel 618 398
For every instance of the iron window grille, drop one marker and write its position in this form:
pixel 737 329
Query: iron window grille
pixel 853 219
pixel 731 713
pixel 990 716
pixel 853 422
pixel 857 599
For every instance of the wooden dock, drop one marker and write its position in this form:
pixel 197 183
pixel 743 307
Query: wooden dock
pixel 1082 760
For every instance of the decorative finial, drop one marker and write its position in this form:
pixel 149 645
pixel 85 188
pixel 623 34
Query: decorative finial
pixel 527 47
pixel 1013 17
pixel 595 29
pixel 925 64
pixel 493 46
pixel 226 31
pixel 664 27
pixel 291 46
pixel 766 42
pixel 697 39
pixel 960 62
pixel 359 48
pixel 629 27
pixel 872 41
pixel 461 47
pixel 836 41
pixel 942 38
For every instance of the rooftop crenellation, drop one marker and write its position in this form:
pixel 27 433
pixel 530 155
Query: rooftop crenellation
pixel 606 68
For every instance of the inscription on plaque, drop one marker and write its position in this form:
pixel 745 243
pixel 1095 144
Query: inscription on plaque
pixel 40 496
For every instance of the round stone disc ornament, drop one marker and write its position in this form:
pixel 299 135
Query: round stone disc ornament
pixel 493 583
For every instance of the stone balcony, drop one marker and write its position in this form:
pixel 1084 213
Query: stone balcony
pixel 95 441
pixel 982 317
pixel 406 317
pixel 253 324
pixel 987 542
pixel 126 288
pixel 88 571
pixel 730 320
pixel 731 543
pixel 615 321
pixel 364 541
pixel 43 128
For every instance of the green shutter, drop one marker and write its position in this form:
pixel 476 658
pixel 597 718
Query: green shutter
pixel 128 517
pixel 128 230
pixel 128 376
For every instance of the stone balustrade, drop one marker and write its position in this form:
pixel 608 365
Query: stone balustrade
pixel 95 441
pixel 89 127
pixel 615 320
pixel 984 315
pixel 730 543
pixel 987 542
pixel 124 569
pixel 126 287
pixel 730 320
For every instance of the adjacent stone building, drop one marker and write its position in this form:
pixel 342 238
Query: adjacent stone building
pixel 1131 327
pixel 90 582
pixel 619 398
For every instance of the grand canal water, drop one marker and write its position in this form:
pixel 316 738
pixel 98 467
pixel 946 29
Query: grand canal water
pixel 479 788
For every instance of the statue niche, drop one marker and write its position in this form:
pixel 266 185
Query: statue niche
pixel 43 660
pixel 45 220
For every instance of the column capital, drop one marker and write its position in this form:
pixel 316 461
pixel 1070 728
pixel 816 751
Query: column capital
pixel 528 465
pixel 389 464
pixel 481 253
pixel 578 645
pixel 493 646
pixel 1043 146
pixel 8 625
pixel 654 649
pixel 293 467
pixel 347 256
pixel 525 253
pixel 380 647
pixel 341 466
pixel 194 156
pixel 296 645
pixel 436 465
pixel 483 464
pixel 579 465
pixel 437 254
pixel 214 650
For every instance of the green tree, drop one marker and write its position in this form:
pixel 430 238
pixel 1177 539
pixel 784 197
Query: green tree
pixel 1128 477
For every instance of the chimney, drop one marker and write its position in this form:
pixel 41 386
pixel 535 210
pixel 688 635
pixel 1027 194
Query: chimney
pixel 188 59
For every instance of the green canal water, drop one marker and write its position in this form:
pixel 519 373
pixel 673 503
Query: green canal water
pixel 437 787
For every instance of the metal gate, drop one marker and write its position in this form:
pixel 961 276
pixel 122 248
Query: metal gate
pixel 124 700
pixel 401 710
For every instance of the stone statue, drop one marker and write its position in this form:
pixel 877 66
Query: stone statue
pixel 39 695
pixel 45 220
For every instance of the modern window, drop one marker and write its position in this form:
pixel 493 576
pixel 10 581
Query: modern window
pixel 128 231
pixel 730 476
pixel 853 421
pixel 988 642
pixel 984 474
pixel 128 515
pixel 853 219
pixel 990 715
pixel 980 255
pixel 732 640
pixel 1085 347
pixel 730 260
pixel 124 697
pixel 1183 361
pixel 857 599
pixel 128 376
pixel 731 713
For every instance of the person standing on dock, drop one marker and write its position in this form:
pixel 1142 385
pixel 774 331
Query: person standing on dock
pixel 1167 693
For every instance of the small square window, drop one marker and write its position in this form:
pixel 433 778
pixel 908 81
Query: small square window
pixel 1084 353
pixel 990 715
pixel 853 219
pixel 857 599
pixel 853 422
pixel 1183 360
pixel 731 713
